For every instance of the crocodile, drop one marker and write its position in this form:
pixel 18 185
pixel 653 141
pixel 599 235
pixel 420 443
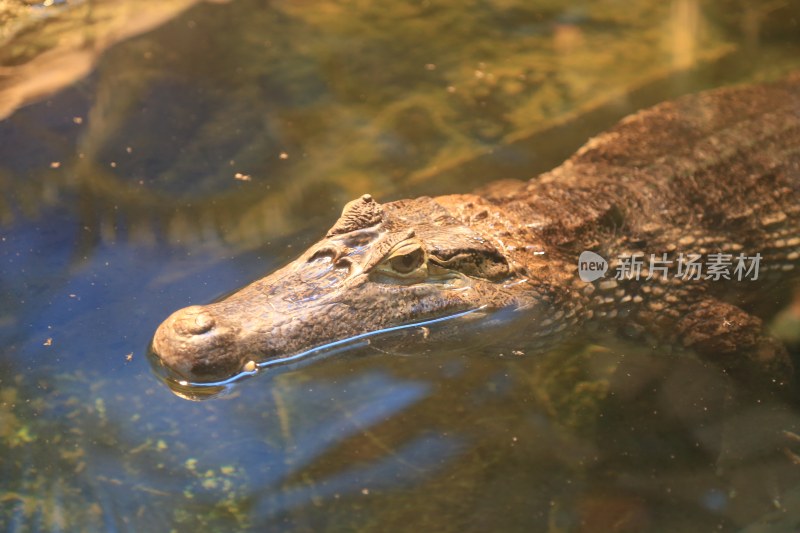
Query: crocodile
pixel 700 194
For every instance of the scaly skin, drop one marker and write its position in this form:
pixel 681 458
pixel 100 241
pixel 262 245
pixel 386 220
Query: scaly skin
pixel 714 172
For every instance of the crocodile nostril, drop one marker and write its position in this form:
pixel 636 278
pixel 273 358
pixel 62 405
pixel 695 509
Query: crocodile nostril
pixel 194 321
pixel 202 323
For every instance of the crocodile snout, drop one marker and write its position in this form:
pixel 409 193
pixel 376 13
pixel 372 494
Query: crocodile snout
pixel 196 345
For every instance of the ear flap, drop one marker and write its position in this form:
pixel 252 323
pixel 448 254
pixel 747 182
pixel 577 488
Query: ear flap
pixel 358 214
pixel 462 250
pixel 481 262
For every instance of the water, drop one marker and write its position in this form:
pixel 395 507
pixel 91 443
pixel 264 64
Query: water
pixel 214 148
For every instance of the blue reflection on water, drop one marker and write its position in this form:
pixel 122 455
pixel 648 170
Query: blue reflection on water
pixel 407 465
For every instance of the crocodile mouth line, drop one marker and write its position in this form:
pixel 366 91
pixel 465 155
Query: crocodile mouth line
pixel 215 388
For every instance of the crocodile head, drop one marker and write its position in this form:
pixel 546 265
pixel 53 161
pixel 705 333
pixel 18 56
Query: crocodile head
pixel 380 266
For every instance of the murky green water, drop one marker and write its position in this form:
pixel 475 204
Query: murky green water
pixel 213 149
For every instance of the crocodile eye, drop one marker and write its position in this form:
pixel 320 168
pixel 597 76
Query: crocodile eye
pixel 406 263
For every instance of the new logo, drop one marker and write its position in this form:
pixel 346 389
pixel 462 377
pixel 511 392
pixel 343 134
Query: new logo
pixel 591 266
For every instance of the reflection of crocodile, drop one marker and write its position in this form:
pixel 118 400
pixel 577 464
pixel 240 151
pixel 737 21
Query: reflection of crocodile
pixel 713 173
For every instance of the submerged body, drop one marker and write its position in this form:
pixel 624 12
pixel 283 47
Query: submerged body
pixel 713 177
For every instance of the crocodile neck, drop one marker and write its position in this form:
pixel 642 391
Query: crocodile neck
pixel 715 172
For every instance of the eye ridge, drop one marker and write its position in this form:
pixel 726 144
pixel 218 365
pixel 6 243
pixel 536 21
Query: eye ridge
pixel 329 252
